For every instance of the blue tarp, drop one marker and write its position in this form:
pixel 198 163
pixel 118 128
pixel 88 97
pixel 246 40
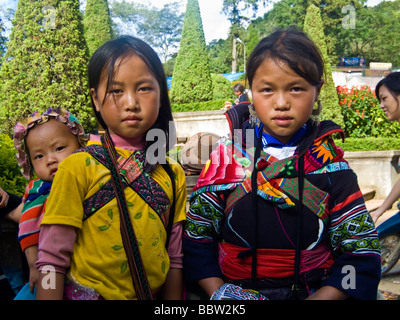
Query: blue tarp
pixel 169 82
pixel 232 76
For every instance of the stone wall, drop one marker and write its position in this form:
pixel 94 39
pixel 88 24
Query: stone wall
pixel 375 169
pixel 189 123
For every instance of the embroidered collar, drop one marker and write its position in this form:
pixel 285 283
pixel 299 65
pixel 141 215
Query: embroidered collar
pixel 270 141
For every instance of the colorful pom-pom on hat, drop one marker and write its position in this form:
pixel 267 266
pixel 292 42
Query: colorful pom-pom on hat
pixel 23 126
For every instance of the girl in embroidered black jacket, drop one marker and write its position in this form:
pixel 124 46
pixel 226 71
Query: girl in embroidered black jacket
pixel 323 246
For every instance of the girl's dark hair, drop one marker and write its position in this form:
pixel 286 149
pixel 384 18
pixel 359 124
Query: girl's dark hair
pixel 300 54
pixel 104 60
pixel 292 47
pixel 392 82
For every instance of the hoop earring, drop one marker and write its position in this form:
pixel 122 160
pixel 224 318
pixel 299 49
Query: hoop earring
pixel 253 119
pixel 317 113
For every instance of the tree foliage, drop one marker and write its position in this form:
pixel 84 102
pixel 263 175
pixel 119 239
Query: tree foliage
pixel 220 56
pixel 3 40
pixel 166 33
pixel 97 24
pixel 222 88
pixel 313 26
pixel 235 9
pixel 45 64
pixel 129 13
pixel 6 16
pixel 11 178
pixel 161 28
pixel 191 79
pixel 375 34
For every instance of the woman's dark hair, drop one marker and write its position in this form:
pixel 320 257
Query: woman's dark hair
pixel 104 60
pixel 292 47
pixel 392 83
pixel 239 88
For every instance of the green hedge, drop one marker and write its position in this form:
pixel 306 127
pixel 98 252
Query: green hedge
pixel 222 88
pixel 11 179
pixel 199 106
pixel 369 144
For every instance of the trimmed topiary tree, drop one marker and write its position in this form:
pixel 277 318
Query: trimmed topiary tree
pixel 191 80
pixel 45 64
pixel 97 23
pixel 313 26
pixel 222 88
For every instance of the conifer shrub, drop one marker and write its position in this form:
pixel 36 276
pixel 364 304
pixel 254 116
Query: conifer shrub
pixel 45 64
pixel 222 88
pixel 97 24
pixel 314 28
pixel 191 81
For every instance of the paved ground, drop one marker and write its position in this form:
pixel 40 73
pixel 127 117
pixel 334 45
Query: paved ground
pixel 390 284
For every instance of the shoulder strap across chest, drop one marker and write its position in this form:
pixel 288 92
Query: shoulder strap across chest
pixel 142 183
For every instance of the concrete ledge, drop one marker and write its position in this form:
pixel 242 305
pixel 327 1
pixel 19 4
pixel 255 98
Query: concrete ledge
pixel 189 123
pixel 389 154
pixel 375 169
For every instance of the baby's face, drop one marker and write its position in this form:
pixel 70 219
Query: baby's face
pixel 49 144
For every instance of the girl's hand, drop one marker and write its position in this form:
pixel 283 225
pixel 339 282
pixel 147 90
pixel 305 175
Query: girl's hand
pixel 3 198
pixel 375 215
pixel 31 254
pixel 210 285
pixel 328 293
pixel 33 278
